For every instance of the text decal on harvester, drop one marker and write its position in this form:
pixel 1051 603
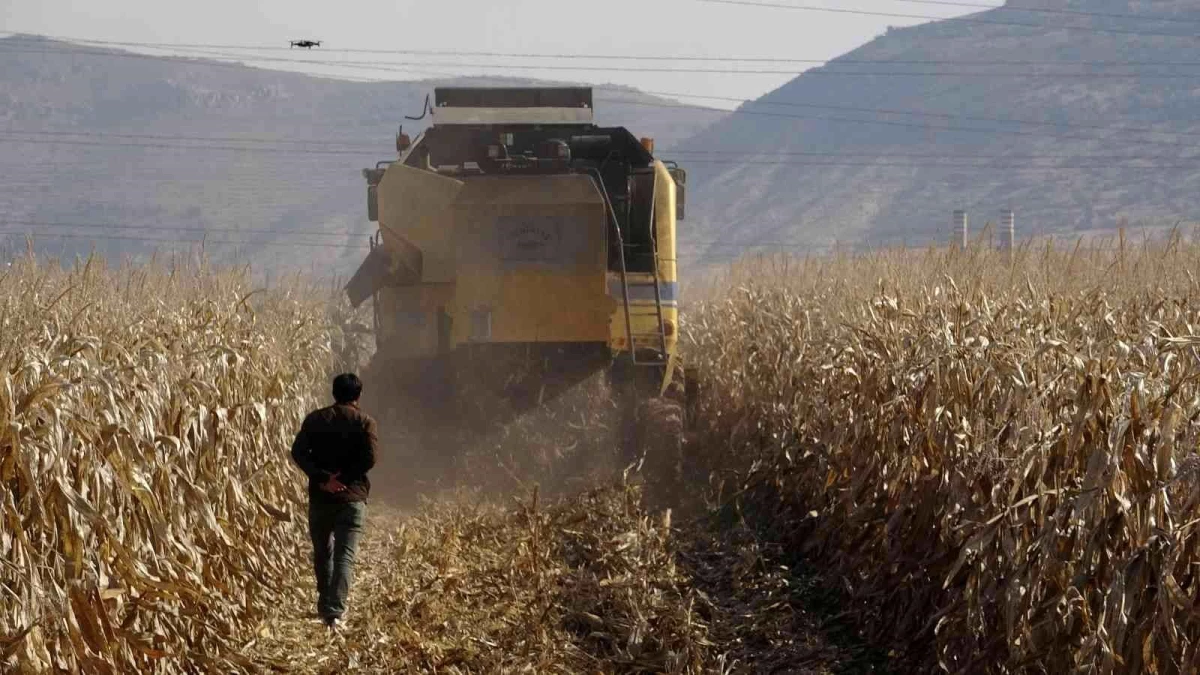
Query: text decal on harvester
pixel 534 239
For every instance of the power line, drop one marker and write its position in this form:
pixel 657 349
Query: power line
pixel 411 67
pixel 347 145
pixel 407 66
pixel 927 17
pixel 168 146
pixel 919 241
pixel 231 242
pixel 936 165
pixel 985 163
pixel 686 242
pixel 394 66
pixel 915 242
pixel 1047 10
pixel 204 139
pixel 206 241
pixel 875 111
pixel 743 111
pixel 758 152
pixel 171 228
pixel 84 42
pixel 222 242
pixel 206 60
pixel 922 113
pixel 896 123
pixel 361 153
pixel 426 52
pixel 372 146
pixel 114 226
pixel 319 151
pixel 191 60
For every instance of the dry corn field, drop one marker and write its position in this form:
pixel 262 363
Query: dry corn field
pixel 152 521
pixel 914 461
pixel 995 462
pixel 149 515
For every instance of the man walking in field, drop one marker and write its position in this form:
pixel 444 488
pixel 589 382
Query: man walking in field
pixel 336 448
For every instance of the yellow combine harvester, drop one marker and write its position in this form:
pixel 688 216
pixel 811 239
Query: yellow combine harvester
pixel 522 249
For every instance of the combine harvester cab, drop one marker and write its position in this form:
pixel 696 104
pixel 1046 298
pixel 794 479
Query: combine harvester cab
pixel 521 250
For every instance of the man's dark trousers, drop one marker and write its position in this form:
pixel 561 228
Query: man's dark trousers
pixel 335 530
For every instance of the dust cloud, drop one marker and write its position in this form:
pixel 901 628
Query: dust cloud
pixel 564 446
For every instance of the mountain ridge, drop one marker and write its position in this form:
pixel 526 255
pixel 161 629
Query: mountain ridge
pixel 98 136
pixel 829 160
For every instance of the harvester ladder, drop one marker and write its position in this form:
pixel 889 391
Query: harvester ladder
pixel 375 240
pixel 658 308
pixel 654 280
pixel 624 272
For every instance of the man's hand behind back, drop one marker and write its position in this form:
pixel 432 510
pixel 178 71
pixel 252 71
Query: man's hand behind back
pixel 333 485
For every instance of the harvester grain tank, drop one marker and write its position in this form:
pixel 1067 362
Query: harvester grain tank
pixel 523 248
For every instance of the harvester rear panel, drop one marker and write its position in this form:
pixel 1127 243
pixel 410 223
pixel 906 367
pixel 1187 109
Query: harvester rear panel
pixel 521 249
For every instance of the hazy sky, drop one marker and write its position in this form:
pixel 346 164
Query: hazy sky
pixel 632 27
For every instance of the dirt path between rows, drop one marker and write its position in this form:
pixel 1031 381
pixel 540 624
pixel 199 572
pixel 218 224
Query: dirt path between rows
pixel 769 617
pixel 459 589
pixel 295 640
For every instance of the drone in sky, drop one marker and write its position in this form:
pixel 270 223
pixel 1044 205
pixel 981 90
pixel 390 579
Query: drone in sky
pixel 306 44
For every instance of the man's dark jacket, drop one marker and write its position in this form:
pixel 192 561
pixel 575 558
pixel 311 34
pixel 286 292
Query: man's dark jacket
pixel 342 440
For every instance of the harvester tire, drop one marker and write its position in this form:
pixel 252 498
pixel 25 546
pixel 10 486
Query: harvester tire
pixel 660 430
pixel 691 397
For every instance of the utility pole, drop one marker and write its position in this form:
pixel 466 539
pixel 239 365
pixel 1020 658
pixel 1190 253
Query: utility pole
pixel 958 229
pixel 1008 225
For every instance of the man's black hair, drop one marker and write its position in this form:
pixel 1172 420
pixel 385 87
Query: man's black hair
pixel 347 388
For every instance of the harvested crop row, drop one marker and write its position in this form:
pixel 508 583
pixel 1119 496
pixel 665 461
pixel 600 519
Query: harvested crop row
pixel 583 585
pixel 996 458
pixel 148 509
